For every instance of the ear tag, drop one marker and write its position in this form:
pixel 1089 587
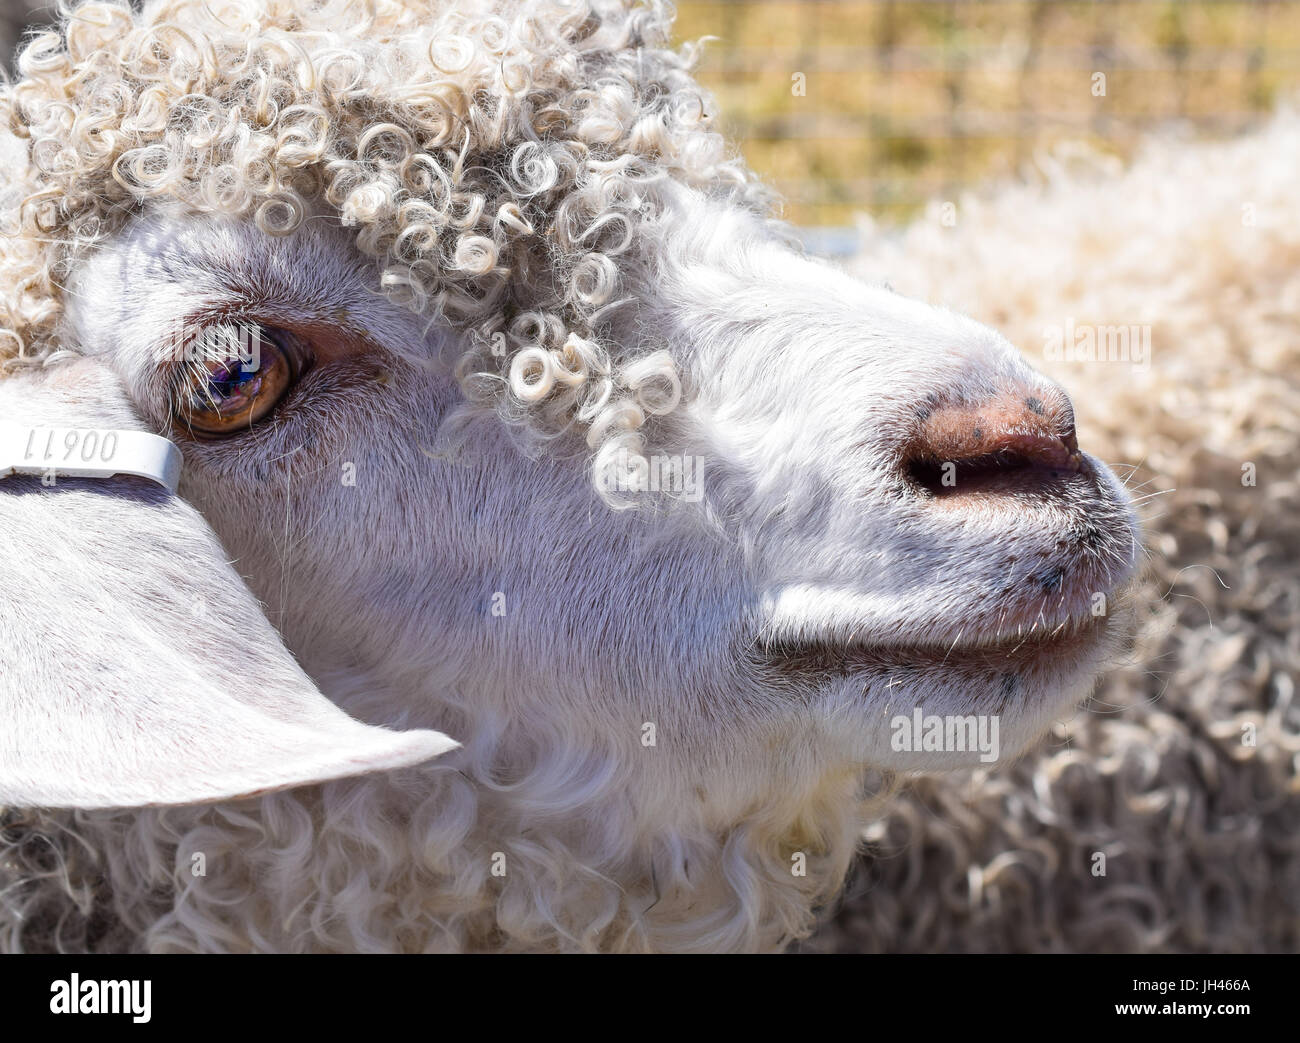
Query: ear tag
pixel 87 452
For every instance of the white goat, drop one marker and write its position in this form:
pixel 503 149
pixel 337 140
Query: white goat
pixel 498 272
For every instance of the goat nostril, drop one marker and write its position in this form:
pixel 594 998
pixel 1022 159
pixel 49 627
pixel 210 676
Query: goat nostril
pixel 1013 443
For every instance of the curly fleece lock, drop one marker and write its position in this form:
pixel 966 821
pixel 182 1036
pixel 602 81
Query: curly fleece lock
pixel 502 161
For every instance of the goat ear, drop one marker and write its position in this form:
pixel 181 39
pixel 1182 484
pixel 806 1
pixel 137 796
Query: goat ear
pixel 136 667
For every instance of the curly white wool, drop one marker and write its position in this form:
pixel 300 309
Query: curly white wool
pixel 500 161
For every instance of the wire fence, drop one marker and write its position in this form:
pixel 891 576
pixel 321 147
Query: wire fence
pixel 850 106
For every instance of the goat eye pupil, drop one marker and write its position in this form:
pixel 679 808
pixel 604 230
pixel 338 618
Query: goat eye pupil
pixel 233 389
pixel 227 378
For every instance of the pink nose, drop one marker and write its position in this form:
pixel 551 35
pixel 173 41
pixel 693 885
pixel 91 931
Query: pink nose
pixel 1021 440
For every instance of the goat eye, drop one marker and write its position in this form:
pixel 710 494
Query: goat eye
pixel 236 375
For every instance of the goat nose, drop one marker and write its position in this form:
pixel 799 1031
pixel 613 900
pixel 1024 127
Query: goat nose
pixel 1020 440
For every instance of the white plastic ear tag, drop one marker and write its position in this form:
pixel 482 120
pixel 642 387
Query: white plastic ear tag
pixel 87 452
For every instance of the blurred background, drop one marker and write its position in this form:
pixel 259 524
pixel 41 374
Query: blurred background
pixel 880 105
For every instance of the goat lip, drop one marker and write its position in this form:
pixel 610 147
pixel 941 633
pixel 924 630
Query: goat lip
pixel 814 656
pixel 1009 471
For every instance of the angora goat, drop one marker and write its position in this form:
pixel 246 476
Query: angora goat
pixel 508 415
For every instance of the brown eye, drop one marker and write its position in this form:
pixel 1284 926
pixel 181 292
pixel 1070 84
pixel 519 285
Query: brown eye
pixel 237 375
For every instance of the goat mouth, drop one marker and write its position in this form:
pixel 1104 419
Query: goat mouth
pixel 1012 651
pixel 1008 470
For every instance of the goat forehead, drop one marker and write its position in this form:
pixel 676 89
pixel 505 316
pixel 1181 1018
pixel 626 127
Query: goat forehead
pixel 196 260
pixel 131 298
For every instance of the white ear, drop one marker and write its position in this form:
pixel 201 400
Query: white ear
pixel 136 667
